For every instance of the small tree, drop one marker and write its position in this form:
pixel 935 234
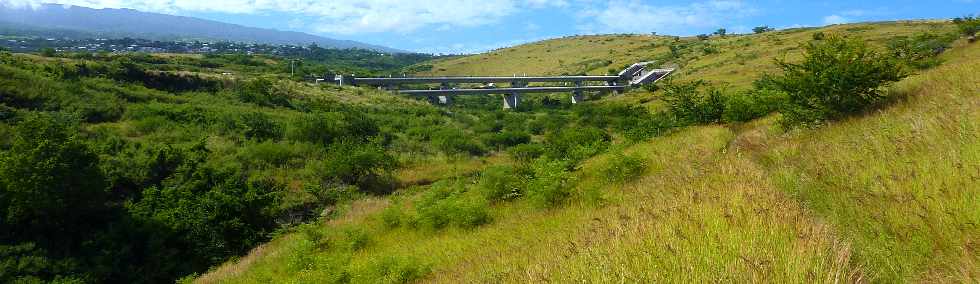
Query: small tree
pixel 837 77
pixel 762 29
pixel 819 36
pixel 694 102
pixel 47 52
pixel 703 37
pixel 968 26
pixel 721 32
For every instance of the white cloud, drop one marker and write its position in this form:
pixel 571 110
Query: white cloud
pixel 338 16
pixel 638 17
pixel 835 19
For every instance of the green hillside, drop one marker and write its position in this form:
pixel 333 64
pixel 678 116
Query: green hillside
pixel 733 59
pixel 890 195
pixel 751 164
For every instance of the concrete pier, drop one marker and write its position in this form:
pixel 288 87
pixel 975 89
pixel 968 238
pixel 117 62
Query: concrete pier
pixel 511 101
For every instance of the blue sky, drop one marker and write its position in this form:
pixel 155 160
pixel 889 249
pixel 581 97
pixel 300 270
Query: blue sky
pixel 467 26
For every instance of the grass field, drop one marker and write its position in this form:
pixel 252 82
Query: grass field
pixel 892 195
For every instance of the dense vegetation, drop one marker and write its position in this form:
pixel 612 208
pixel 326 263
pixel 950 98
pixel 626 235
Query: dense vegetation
pixel 149 168
pixel 709 183
pixel 156 165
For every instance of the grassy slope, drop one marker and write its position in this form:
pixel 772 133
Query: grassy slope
pixel 890 196
pixel 738 60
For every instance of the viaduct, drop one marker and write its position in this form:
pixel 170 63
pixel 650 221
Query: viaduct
pixel 635 75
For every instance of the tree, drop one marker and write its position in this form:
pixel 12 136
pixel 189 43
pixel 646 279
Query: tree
pixel 48 52
pixel 721 32
pixel 50 181
pixel 703 36
pixel 968 26
pixel 762 29
pixel 838 76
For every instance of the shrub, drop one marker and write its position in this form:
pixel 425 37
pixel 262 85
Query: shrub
pixel 445 205
pixel 355 163
pixel 453 141
pixel 260 127
pixel 271 154
pixel 819 36
pixel 392 216
pixel 921 50
pixel 391 269
pixel 967 26
pixel 263 92
pixel 837 77
pixel 51 186
pixel 762 29
pixel 575 144
pixel 47 52
pixel 694 102
pixel 501 183
pixel 749 105
pixel 506 139
pixel 551 183
pixel 621 168
pixel 526 152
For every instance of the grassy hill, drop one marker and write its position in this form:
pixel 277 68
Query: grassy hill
pixel 734 59
pixel 891 195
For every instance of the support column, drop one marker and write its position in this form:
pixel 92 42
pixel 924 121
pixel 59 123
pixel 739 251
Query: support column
pixel 445 100
pixel 512 100
pixel 577 94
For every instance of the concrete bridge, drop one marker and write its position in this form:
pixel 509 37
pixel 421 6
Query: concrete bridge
pixel 635 75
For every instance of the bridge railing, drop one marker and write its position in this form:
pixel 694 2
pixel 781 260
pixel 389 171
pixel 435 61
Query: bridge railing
pixel 634 75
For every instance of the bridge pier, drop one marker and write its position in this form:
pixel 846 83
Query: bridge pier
pixel 512 100
pixel 444 100
pixel 577 94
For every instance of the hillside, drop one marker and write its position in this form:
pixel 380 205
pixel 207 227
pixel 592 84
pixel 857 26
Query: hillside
pixel 889 195
pixel 735 59
pixel 53 20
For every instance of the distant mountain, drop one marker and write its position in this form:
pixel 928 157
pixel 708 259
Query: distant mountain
pixel 114 23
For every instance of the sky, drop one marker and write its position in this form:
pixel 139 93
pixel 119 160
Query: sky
pixel 471 26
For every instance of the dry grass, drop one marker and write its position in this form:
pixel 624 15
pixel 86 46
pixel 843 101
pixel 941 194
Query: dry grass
pixel 890 196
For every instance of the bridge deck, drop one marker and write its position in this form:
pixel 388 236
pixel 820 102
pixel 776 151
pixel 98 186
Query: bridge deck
pixel 509 90
pixel 439 80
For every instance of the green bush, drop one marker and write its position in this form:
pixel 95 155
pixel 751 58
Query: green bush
pixel 694 102
pixel 272 154
pixel 51 186
pixel 621 168
pixel 575 144
pixel 454 141
pixel 263 92
pixel 749 105
pixel 393 215
pixel 355 163
pixel 445 204
pixel 501 183
pixel 526 152
pixel 819 36
pixel 392 270
pixel 837 77
pixel 506 139
pixel 921 50
pixel 551 183
pixel 967 26
pixel 260 127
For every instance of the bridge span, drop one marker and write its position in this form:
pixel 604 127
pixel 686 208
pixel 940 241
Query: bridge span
pixel 633 76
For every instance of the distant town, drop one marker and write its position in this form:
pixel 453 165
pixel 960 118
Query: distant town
pixel 32 44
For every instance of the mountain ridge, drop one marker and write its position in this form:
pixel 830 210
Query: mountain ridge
pixel 116 23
